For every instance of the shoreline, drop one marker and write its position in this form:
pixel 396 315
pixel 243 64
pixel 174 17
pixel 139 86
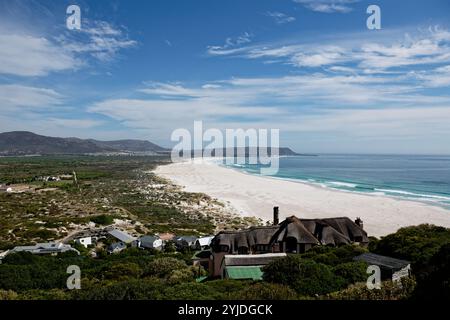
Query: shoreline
pixel 256 195
pixel 321 186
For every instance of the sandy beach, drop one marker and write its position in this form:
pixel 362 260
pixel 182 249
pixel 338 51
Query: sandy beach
pixel 252 195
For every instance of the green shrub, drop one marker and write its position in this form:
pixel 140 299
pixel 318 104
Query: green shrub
pixel 191 291
pixel 306 277
pixel 434 283
pixel 351 272
pixel 389 291
pixel 142 289
pixel 103 219
pixel 121 271
pixel 333 256
pixel 416 244
pixel 267 291
pixel 8 295
pixel 164 267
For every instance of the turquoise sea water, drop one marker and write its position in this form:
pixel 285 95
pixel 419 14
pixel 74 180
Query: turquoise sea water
pixel 422 178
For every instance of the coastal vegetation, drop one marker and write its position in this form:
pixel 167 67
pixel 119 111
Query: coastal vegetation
pixel 322 273
pixel 106 189
pixel 111 190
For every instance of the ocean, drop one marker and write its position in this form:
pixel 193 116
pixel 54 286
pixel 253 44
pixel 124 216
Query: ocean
pixel 420 178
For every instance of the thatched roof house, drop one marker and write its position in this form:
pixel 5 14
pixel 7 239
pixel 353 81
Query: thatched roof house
pixel 292 235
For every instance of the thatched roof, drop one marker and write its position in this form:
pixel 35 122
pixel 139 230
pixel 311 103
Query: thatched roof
pixel 335 231
pixel 331 231
pixel 292 227
pixel 348 228
pixel 244 238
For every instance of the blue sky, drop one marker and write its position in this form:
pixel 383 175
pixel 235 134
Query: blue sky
pixel 141 69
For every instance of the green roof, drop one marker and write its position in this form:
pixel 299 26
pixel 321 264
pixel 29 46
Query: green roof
pixel 244 272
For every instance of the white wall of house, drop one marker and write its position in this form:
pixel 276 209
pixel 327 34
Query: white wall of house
pixel 158 243
pixel 405 272
pixel 84 241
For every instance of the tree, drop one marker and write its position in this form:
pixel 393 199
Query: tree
pixel 164 267
pixel 389 291
pixel 333 256
pixel 266 291
pixel 170 247
pixel 435 281
pixel 120 271
pixel 351 272
pixel 103 219
pixel 304 276
pixel 417 244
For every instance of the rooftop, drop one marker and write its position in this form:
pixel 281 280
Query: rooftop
pixel 50 247
pixel 245 272
pixel 121 235
pixel 382 261
pixel 251 259
pixel 205 241
pixel 329 231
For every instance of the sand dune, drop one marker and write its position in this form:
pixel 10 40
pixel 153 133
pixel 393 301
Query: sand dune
pixel 254 195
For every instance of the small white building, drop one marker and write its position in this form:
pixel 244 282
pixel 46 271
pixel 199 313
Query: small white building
pixel 85 241
pixel 203 243
pixel 3 254
pixel 116 247
pixel 149 242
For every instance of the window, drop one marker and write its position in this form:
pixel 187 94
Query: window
pixel 243 250
pixel 262 248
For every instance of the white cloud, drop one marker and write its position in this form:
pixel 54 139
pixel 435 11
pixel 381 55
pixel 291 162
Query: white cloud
pixel 399 130
pixel 167 89
pixel 40 110
pixel 99 39
pixel 25 55
pixel 436 78
pixel 63 123
pixel 302 103
pixel 279 17
pixel 231 45
pixel 431 47
pixel 61 127
pixel 328 6
pixel 388 54
pixel 28 55
pixel 17 97
pixel 324 56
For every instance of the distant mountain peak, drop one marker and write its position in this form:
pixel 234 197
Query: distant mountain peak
pixel 28 143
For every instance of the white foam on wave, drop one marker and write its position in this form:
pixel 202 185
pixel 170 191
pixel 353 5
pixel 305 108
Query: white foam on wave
pixel 342 184
pixel 419 195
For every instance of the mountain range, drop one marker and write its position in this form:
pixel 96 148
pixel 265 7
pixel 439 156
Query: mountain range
pixel 27 143
pixel 21 143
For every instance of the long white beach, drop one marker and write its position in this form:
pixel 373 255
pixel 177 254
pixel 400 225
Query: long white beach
pixel 252 195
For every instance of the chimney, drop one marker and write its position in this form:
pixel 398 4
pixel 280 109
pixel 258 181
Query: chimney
pixel 276 219
pixel 359 222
